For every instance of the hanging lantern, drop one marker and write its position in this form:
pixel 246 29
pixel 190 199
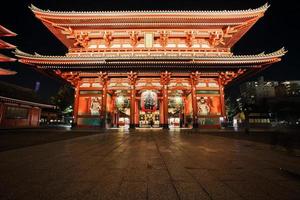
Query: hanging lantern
pixel 178 103
pixel 175 104
pixel 149 101
pixel 122 103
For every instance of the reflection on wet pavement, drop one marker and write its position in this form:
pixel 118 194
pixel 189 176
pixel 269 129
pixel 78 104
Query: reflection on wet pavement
pixel 147 164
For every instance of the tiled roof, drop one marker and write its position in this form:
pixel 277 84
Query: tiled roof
pixel 153 12
pixel 18 101
pixel 258 59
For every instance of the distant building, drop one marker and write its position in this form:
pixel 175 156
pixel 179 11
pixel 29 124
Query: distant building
pixel 271 101
pixel 254 91
pixel 18 113
pixel 20 107
pixel 288 88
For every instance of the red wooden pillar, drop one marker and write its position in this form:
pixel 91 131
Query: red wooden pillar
pixel 103 79
pixel 114 111
pixel 222 97
pixel 132 107
pixel 136 113
pixel 165 107
pixel 132 76
pixel 194 81
pixel 165 78
pixel 104 102
pixel 194 106
pixel 184 122
pixel 76 102
pixel 161 112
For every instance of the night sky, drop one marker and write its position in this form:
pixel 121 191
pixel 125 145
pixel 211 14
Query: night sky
pixel 279 27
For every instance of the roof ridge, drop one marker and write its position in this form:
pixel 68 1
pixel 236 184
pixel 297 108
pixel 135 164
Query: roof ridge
pixel 34 102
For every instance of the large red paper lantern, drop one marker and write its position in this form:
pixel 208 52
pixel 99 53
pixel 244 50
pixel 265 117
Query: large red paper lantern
pixel 149 101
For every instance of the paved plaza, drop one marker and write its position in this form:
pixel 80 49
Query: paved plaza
pixel 148 164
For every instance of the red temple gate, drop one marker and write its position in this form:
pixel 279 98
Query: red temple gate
pixel 132 68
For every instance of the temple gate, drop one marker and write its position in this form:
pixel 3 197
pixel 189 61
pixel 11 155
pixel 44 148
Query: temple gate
pixel 153 68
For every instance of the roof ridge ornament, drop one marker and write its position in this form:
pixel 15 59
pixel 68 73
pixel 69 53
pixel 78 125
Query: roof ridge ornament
pixel 265 6
pixel 36 54
pixel 21 53
pixel 281 51
pixel 33 7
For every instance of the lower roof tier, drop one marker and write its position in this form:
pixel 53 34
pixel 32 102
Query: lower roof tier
pixel 150 61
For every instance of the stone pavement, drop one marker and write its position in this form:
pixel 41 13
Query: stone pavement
pixel 18 138
pixel 148 164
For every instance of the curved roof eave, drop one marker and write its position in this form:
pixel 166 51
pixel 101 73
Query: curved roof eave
pixel 230 59
pixel 257 11
pixel 279 53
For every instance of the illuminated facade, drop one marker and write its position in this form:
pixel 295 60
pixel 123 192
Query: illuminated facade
pixel 141 68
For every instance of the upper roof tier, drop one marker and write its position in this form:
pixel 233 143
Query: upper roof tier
pixel 201 13
pixel 227 26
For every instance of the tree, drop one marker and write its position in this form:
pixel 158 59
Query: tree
pixel 231 108
pixel 64 98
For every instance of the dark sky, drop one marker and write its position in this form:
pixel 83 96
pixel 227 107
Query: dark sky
pixel 279 27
